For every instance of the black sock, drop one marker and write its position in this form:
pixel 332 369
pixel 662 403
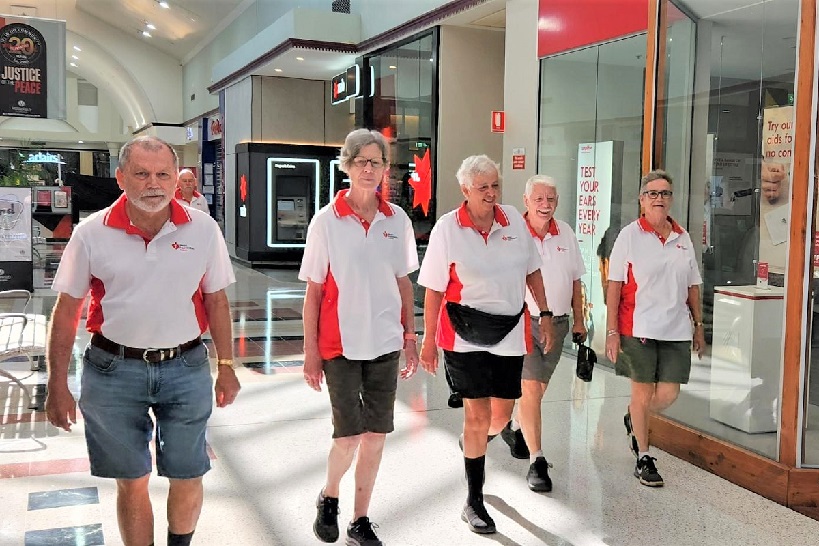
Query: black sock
pixel 474 479
pixel 179 540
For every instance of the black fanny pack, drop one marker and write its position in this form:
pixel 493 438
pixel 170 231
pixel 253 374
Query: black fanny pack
pixel 479 327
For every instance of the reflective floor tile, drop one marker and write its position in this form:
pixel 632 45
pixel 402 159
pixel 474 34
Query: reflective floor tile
pixel 63 497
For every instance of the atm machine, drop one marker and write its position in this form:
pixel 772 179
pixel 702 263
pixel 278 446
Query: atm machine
pixel 279 187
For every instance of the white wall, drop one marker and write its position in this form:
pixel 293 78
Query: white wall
pixel 378 16
pixel 521 82
pixel 470 86
pixel 238 123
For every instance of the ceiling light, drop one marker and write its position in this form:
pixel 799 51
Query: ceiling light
pixel 77 48
pixel 299 58
pixel 149 26
pixel 75 57
pixel 164 4
pixel 80 142
pixel 393 67
pixel 72 64
pixel 277 70
pixel 146 33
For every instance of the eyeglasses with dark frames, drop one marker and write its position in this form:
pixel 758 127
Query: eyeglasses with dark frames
pixel 654 194
pixel 361 162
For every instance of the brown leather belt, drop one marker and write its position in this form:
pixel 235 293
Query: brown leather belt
pixel 148 355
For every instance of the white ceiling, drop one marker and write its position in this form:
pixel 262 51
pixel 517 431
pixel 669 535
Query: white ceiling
pixel 185 26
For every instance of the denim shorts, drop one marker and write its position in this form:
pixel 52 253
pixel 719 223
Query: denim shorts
pixel 362 394
pixel 123 399
pixel 539 365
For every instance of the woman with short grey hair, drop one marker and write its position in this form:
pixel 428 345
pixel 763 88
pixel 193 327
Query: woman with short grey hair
pixel 479 262
pixel 358 316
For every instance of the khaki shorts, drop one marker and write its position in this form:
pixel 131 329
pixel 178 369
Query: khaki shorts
pixel 538 365
pixel 362 394
pixel 654 361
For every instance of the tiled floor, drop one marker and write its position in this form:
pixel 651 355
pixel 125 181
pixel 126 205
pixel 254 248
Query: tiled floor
pixel 269 451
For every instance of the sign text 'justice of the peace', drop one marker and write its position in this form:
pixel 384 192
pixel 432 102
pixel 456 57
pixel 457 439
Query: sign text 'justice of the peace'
pixel 26 80
pixel 587 213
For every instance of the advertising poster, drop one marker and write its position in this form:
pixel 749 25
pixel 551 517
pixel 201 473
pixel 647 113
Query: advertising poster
pixel 599 174
pixel 775 177
pixel 32 67
pixel 15 224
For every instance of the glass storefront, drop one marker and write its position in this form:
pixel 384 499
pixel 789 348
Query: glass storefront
pixel 38 167
pixel 740 105
pixel 402 105
pixel 590 135
pixel 724 130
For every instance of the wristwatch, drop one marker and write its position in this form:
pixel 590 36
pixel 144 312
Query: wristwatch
pixel 546 313
pixel 225 362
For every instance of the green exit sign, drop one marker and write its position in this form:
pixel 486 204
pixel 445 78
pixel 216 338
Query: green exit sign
pixel 790 98
pixel 421 145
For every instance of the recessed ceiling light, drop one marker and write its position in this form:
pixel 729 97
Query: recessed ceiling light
pixel 146 33
pixel 277 70
pixel 80 142
pixel 164 4
pixel 74 57
pixel 72 64
pixel 77 48
pixel 393 67
pixel 149 26
pixel 299 58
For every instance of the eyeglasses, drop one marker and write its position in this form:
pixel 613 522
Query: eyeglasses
pixel 361 162
pixel 654 194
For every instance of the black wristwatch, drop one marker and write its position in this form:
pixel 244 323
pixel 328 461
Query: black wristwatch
pixel 546 313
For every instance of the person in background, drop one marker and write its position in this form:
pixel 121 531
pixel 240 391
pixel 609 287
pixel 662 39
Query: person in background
pixel 157 273
pixel 653 314
pixel 476 270
pixel 186 191
pixel 561 268
pixel 358 315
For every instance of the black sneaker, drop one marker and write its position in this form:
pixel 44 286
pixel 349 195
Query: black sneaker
pixel 514 438
pixel 326 525
pixel 647 473
pixel 632 439
pixel 478 519
pixel 538 476
pixel 360 533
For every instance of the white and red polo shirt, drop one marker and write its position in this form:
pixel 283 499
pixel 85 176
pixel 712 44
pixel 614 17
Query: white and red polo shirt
pixel 145 292
pixel 485 271
pixel 561 265
pixel 358 263
pixel 656 274
pixel 198 201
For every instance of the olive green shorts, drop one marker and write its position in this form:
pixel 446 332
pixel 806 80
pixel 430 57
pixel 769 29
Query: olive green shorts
pixel 654 361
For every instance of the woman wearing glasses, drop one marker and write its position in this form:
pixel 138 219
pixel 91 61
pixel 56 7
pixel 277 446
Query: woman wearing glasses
pixel 654 313
pixel 358 316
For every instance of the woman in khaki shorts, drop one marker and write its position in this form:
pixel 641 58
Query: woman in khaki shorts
pixel 654 314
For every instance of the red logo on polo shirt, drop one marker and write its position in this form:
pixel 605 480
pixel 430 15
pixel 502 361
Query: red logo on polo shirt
pixel 682 247
pixel 508 237
pixel 182 247
pixel 562 249
pixel 388 235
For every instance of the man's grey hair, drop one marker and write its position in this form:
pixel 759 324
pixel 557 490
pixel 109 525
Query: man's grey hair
pixel 150 143
pixel 539 180
pixel 651 176
pixel 186 171
pixel 475 165
pixel 359 139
